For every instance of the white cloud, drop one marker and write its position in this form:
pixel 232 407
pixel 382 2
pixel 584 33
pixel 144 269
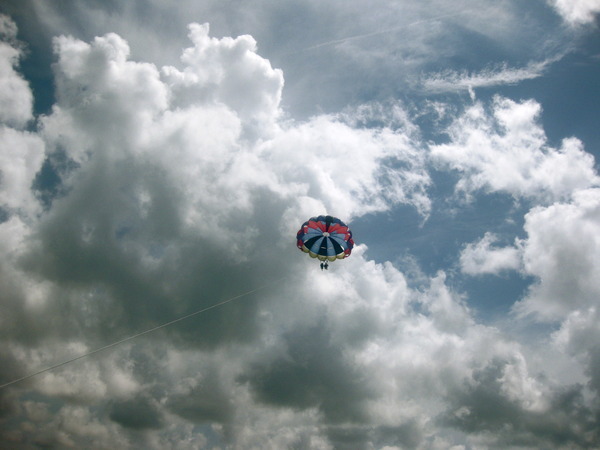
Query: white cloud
pixel 227 71
pixel 184 189
pixel 452 81
pixel 16 100
pixel 577 12
pixel 21 157
pixel 578 337
pixel 21 152
pixel 351 171
pixel 563 251
pixel 432 352
pixel 15 96
pixel 8 28
pixel 332 66
pixel 506 150
pixel 580 331
pixel 324 155
pixel 481 258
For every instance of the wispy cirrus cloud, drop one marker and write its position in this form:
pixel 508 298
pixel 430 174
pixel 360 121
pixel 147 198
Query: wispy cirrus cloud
pixel 456 81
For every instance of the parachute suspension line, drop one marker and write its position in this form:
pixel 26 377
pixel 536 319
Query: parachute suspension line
pixel 130 338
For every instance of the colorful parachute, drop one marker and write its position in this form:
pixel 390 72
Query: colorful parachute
pixel 326 238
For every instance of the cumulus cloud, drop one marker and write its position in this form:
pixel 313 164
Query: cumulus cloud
pixel 481 258
pixel 227 71
pixel 21 152
pixel 162 181
pixel 578 336
pixel 506 150
pixel 16 100
pixel 577 12
pixel 560 250
pixel 21 157
pixel 173 188
pixel 563 251
pixel 332 66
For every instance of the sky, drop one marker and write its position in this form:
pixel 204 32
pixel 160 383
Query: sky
pixel 157 159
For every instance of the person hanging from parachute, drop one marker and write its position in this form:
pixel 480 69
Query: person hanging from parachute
pixel 326 238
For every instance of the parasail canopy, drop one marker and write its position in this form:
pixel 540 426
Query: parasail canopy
pixel 325 238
